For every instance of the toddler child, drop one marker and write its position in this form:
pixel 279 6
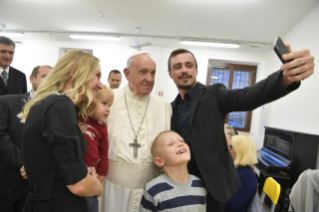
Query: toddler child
pixel 175 190
pixel 95 133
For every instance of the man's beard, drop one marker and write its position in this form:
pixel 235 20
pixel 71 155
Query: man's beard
pixel 187 86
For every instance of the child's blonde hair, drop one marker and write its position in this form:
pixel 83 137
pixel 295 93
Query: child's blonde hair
pixel 83 126
pixel 245 150
pixel 84 66
pixel 105 89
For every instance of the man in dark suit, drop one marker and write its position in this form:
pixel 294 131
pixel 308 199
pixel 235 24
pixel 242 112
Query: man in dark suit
pixel 12 80
pixel 13 188
pixel 199 114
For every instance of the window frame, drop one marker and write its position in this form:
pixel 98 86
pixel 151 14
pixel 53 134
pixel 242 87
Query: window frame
pixel 233 66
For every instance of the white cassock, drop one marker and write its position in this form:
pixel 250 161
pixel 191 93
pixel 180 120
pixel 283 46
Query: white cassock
pixel 127 175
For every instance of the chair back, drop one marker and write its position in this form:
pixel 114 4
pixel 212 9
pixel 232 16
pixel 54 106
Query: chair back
pixel 272 189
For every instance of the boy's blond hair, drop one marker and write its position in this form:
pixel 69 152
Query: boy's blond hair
pixel 245 150
pixel 155 149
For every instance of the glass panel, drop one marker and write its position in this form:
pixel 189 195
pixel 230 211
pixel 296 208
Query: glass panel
pixel 220 75
pixel 241 79
pixel 237 119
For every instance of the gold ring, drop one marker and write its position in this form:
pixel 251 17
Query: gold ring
pixel 306 68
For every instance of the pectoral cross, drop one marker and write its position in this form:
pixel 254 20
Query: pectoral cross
pixel 135 145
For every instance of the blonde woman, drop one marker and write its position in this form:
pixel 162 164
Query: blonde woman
pixel 53 144
pixel 244 155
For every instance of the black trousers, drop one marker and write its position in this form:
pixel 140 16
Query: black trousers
pixel 214 205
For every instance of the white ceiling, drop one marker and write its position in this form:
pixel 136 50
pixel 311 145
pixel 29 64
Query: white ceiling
pixel 169 21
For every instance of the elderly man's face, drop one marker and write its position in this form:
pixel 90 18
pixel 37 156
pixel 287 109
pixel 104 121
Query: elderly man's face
pixel 141 75
pixel 6 55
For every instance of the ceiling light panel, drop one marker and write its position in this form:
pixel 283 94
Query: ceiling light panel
pixel 95 37
pixel 199 43
pixel 9 34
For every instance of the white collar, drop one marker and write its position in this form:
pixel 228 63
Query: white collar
pixel 7 70
pixel 132 95
pixel 31 95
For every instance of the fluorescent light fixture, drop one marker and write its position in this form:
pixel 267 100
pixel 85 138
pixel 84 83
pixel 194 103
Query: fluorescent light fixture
pixel 200 43
pixel 257 45
pixel 95 37
pixel 214 77
pixel 45 34
pixel 12 34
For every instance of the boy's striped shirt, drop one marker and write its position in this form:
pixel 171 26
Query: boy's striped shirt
pixel 163 194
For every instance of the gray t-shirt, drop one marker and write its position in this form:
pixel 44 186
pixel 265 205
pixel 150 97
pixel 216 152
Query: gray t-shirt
pixel 163 194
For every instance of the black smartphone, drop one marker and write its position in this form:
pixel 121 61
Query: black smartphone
pixel 281 49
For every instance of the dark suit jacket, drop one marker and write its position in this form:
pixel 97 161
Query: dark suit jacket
pixel 17 83
pixel 209 107
pixel 10 144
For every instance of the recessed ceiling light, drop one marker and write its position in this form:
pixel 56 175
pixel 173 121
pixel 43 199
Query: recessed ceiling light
pixel 95 37
pixel 13 34
pixel 200 43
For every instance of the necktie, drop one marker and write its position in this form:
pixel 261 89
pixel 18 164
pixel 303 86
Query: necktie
pixel 5 77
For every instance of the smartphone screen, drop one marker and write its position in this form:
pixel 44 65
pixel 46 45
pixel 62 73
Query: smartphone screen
pixel 281 49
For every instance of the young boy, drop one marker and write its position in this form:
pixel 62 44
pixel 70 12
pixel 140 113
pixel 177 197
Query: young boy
pixel 175 190
pixel 95 132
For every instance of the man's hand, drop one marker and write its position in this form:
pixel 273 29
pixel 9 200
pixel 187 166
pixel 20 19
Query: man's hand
pixel 23 173
pixel 300 68
pixel 101 178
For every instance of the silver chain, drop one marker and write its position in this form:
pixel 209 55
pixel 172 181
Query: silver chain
pixel 128 113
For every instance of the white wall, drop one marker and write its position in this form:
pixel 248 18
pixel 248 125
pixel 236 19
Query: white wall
pixel 298 111
pixel 32 53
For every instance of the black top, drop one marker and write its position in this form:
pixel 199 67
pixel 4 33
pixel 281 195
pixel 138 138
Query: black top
pixel 183 113
pixel 53 149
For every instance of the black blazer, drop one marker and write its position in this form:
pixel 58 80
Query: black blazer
pixel 17 83
pixel 11 130
pixel 209 107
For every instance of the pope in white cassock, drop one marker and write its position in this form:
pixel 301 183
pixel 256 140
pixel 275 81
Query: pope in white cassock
pixel 136 118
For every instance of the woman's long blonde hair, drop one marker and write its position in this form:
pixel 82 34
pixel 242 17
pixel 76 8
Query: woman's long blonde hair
pixel 245 150
pixel 84 67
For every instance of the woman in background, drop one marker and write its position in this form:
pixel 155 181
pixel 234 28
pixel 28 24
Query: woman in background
pixel 53 144
pixel 243 152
